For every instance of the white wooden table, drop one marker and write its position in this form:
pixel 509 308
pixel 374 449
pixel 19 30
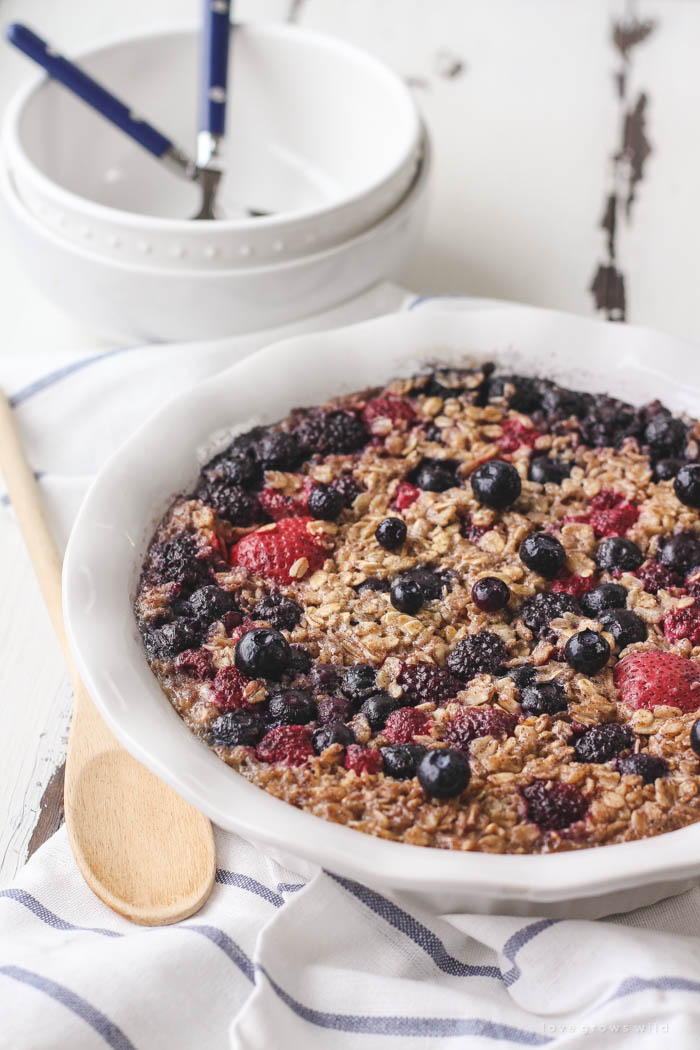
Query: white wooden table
pixel 567 167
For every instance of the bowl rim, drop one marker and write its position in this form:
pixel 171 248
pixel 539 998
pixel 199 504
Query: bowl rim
pixel 249 810
pixel 10 135
pixel 418 186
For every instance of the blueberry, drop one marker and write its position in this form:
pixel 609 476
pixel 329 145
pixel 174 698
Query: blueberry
pixel 431 583
pixel 687 484
pixel 336 733
pixel 279 611
pixel 666 469
pixel 277 450
pixel 333 709
pixel 481 653
pixel 390 533
pixel 542 553
pixel 648 767
pixel 604 596
pixel 300 658
pixel 543 698
pixel 521 674
pixel 618 553
pixel 406 595
pixel 237 728
pixel 401 760
pixel 587 652
pixel 210 603
pixel 624 625
pixel 490 594
pixel 171 638
pixel 434 475
pixel 262 653
pixel 681 553
pixel 324 678
pixel 665 436
pixel 543 469
pixel 359 682
pixel 540 609
pixel 443 773
pixel 496 484
pixel 291 707
pixel 325 502
pixel 695 737
pixel 377 709
pixel 602 742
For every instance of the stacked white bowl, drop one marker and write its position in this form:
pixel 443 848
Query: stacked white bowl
pixel 320 135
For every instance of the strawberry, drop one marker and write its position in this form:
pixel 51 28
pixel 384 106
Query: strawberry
pixel 273 550
pixel 516 434
pixel 277 505
pixel 286 745
pixel 571 583
pixel 363 759
pixel 398 411
pixel 405 495
pixel 405 723
pixel 683 623
pixel 649 678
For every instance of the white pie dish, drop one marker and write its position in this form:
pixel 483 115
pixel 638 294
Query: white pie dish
pixel 133 489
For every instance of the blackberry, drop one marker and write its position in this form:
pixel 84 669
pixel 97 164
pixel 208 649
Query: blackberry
pixel 359 682
pixel 555 807
pixel 624 625
pixel 279 611
pixel 178 560
pixel 481 653
pixel 277 450
pixel 262 653
pixel 602 742
pixel 521 674
pixel 618 554
pixel 519 392
pixel 377 709
pixel 325 502
pixel 401 760
pixel 605 596
pixel 587 652
pixel 443 773
pixel 331 432
pixel 476 722
pixel 539 610
pixel 648 767
pixel 300 658
pixel 426 683
pixel 542 554
pixel 434 475
pixel 230 501
pixel 171 639
pixel 348 488
pixel 496 484
pixel 608 421
pixel 335 733
pixel 210 603
pixel 543 698
pixel 290 707
pixel 332 709
pixel 324 678
pixel 237 728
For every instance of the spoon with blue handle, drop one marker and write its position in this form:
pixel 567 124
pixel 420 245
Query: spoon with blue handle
pixel 212 99
pixel 113 109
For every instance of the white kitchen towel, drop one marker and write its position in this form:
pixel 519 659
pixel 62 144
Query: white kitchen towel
pixel 274 959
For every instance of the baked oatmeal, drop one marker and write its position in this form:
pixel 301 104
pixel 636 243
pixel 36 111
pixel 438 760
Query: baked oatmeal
pixel 462 611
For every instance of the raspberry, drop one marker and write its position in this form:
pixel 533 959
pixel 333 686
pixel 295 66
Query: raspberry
pixel 363 759
pixel 229 685
pixel 479 721
pixel 647 679
pixel 286 746
pixel 655 576
pixel 405 723
pixel 425 683
pixel 611 514
pixel 334 432
pixel 516 435
pixel 683 623
pixel 195 662
pixel 405 495
pixel 273 551
pixel 277 505
pixel 554 807
pixel 399 412
pixel 571 583
pixel 481 653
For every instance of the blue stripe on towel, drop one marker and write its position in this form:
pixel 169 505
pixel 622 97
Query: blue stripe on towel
pixel 246 882
pixel 50 378
pixel 518 940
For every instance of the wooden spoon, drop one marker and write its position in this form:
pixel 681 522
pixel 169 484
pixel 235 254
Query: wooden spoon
pixel 144 851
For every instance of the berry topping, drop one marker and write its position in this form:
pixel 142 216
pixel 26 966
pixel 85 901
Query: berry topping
pixel 335 733
pixel 300 658
pixel 687 484
pixel 520 392
pixel 539 610
pixel 406 494
pixel 542 553
pixel 171 638
pixel 482 653
pixel 496 484
pixel 617 554
pixel 443 773
pixel 474 722
pixel 425 683
pixel 560 403
pixel 235 467
pixel 348 488
pixel 237 729
pixel 648 767
pixel 291 707
pixel 274 550
pixel 611 514
pixel 358 682
pixel 680 553
pixel 262 653
pixel 666 469
pixel 406 594
pixel 490 594
pixel 655 576
pixel 196 663
pixel 554 806
pixel 571 583
pixel 647 679
pixel 286 745
pixel 665 436
pixel 624 625
pixel 331 432
pixel 544 469
pixel 603 742
pixel 377 709
pixel 543 698
pixel 178 560
pixel 401 760
pixel 403 724
pixel 604 596
pixel 279 611
pixel 516 435
pixel 695 737
pixel 521 674
pixel 229 687
pixel 210 603
pixel 683 623
pixel 325 502
pixel 373 583
pixel 278 506
pixel 435 475
pixel 363 759
pixel 277 450
pixel 587 652
pixel 334 709
pixel 399 413
pixel 390 533
pixel 230 501
pixel 324 678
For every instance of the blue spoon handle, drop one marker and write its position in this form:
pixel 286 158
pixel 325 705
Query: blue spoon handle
pixel 214 65
pixel 77 81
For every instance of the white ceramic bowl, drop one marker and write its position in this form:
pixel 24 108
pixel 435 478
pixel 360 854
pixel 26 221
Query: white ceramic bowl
pixel 130 302
pixel 132 491
pixel 319 132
